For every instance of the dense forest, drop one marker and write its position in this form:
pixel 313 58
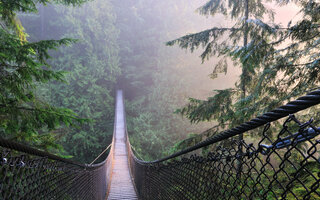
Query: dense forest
pixel 61 62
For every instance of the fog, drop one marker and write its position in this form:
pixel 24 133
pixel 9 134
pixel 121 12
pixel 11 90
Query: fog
pixel 199 84
pixel 200 71
pixel 121 44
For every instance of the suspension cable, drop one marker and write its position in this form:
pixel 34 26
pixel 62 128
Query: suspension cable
pixel 304 102
pixel 100 154
pixel 135 152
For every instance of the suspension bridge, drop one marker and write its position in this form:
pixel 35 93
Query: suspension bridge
pixel 283 163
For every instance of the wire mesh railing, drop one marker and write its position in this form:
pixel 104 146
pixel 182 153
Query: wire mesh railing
pixel 278 165
pixel 27 173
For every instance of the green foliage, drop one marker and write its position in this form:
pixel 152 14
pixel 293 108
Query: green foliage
pixel 154 85
pixel 138 46
pixel 93 66
pixel 13 6
pixel 293 62
pixel 25 117
pixel 239 45
pixel 8 11
pixel 278 63
pixel 199 110
pixel 233 9
pixel 139 43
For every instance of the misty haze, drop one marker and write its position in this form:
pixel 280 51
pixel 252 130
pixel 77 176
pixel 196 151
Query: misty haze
pixel 160 99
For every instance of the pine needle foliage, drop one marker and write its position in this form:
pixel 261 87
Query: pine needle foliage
pixel 93 68
pixel 249 32
pixel 24 116
pixel 278 63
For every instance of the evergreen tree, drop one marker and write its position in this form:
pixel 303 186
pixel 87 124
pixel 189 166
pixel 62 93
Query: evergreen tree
pixel 291 61
pixel 25 117
pixel 243 44
pixel 279 63
pixel 93 67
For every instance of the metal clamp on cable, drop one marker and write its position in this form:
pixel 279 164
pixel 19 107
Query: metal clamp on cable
pixel 295 138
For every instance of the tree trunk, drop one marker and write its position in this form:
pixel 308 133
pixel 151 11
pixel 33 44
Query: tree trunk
pixel 243 84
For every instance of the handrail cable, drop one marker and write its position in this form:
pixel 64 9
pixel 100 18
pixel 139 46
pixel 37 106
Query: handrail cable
pixel 136 152
pixel 100 154
pixel 29 150
pixel 299 104
pixel 37 174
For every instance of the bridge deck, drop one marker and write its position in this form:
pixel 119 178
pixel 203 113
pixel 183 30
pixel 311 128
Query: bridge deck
pixel 121 182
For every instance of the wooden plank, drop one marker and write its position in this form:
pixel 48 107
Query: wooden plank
pixel 121 183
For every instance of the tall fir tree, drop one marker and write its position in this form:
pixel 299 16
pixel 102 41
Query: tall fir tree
pixel 93 67
pixel 24 65
pixel 282 63
pixel 290 61
pixel 240 45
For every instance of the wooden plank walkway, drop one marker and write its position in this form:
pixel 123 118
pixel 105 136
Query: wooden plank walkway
pixel 121 182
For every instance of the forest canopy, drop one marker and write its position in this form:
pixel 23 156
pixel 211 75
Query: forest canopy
pixel 279 63
pixel 24 65
pixel 62 60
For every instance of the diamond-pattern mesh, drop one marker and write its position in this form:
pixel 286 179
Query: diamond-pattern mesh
pixel 28 176
pixel 278 166
pixel 281 164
